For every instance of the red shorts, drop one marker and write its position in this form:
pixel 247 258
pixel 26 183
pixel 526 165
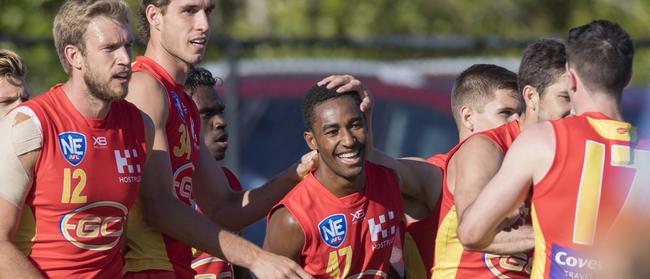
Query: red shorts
pixel 152 274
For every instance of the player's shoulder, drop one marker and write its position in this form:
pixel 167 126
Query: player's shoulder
pixel 283 216
pixel 538 137
pixel 477 145
pixel 144 80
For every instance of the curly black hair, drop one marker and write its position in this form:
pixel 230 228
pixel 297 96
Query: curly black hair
pixel 198 76
pixel 319 94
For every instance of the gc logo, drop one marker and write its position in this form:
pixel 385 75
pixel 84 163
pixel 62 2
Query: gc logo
pixel 183 182
pixel 97 226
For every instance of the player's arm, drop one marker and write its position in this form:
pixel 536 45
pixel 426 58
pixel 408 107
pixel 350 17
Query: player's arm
pixel 20 146
pixel 527 160
pixel 163 211
pixel 284 236
pixel 474 164
pixel 420 183
pixel 235 210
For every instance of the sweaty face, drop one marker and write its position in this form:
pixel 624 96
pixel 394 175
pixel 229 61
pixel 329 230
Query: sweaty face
pixel 555 102
pixel 213 124
pixel 12 93
pixel 501 110
pixel 185 29
pixel 339 135
pixel 107 58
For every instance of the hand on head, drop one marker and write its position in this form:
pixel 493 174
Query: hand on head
pixel 347 83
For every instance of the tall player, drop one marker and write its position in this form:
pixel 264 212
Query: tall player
pixel 583 170
pixel 342 220
pixel 483 97
pixel 73 157
pixel 177 32
pixel 13 86
pixel 473 162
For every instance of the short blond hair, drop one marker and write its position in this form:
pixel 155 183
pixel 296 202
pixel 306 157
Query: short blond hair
pixel 12 67
pixel 72 20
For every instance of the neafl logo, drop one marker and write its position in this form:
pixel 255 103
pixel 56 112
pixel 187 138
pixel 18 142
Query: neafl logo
pixel 73 147
pixel 97 226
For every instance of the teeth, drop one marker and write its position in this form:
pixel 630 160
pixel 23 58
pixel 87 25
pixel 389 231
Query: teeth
pixel 198 41
pixel 349 155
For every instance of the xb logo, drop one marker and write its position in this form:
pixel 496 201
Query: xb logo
pixel 358 215
pixel 100 142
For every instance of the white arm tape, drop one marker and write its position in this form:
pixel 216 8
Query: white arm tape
pixel 16 140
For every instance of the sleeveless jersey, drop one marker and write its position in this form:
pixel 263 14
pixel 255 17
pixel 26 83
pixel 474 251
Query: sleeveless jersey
pixel 595 175
pixel 451 260
pixel 419 242
pixel 148 248
pixel 206 265
pixel 351 236
pixel 86 179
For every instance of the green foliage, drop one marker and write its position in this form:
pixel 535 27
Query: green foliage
pixel 250 19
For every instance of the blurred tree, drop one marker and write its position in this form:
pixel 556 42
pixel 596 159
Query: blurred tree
pixel 25 20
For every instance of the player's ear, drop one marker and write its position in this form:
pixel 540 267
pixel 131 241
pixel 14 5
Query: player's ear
pixel 154 16
pixel 531 97
pixel 573 79
pixel 466 117
pixel 310 140
pixel 74 56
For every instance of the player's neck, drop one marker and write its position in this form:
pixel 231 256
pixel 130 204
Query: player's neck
pixel 463 133
pixel 337 185
pixel 527 118
pixel 598 102
pixel 85 103
pixel 173 65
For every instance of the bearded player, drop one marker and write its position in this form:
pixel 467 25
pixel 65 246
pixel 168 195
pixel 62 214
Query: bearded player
pixel 74 156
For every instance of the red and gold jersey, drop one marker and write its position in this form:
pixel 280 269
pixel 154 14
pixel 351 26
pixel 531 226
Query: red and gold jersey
pixel 206 265
pixel 85 181
pixel 419 240
pixel 594 176
pixel 451 260
pixel 352 236
pixel 147 248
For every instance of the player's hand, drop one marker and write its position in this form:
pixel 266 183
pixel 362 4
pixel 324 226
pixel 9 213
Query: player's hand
pixel 308 163
pixel 273 266
pixel 514 219
pixel 346 83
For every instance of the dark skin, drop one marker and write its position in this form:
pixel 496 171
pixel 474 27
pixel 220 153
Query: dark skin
pixel 338 132
pixel 213 123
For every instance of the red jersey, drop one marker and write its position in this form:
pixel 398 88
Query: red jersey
pixel 451 260
pixel 86 179
pixel 419 242
pixel 147 248
pixel 352 236
pixel 206 265
pixel 594 175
